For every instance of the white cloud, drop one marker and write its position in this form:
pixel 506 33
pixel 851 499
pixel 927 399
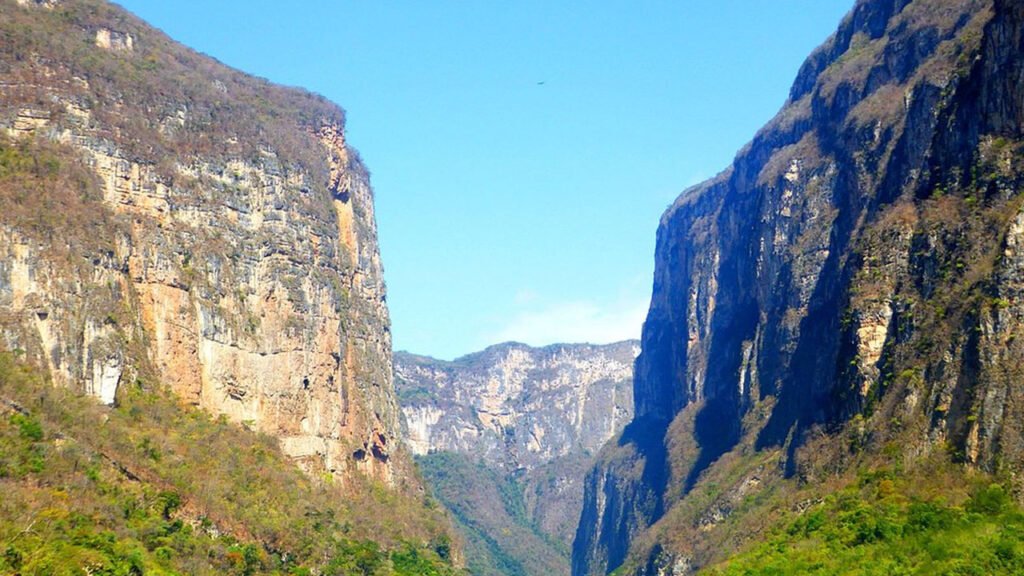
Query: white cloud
pixel 575 321
pixel 525 296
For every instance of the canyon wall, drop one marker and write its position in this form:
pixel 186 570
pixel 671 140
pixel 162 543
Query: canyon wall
pixel 848 286
pixel 167 219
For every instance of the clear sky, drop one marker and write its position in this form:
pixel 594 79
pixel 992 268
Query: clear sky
pixel 522 151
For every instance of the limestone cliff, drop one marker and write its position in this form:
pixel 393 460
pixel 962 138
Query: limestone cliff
pixel 849 286
pixel 533 418
pixel 166 218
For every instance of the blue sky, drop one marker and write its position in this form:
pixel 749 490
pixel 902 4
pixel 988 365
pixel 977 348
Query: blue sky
pixel 522 151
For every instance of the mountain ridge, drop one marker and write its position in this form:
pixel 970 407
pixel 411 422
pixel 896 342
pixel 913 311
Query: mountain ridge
pixel 504 436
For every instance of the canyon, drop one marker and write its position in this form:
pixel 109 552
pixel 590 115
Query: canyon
pixel 196 367
pixel 505 436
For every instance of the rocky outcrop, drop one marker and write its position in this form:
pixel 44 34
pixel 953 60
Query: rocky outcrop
pixel 515 406
pixel 849 283
pixel 535 416
pixel 196 227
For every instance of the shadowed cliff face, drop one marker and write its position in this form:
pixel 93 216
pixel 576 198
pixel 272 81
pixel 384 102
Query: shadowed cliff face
pixel 856 268
pixel 505 437
pixel 194 226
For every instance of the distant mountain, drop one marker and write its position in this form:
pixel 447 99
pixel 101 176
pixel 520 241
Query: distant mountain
pixel 505 436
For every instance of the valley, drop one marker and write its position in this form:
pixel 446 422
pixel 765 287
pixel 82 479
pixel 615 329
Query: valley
pixel 505 436
pixel 197 372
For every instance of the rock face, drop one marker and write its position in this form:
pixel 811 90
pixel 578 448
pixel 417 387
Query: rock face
pixel 191 225
pixel 850 285
pixel 533 416
pixel 514 406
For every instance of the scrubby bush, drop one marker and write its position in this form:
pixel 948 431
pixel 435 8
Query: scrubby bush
pixel 81 490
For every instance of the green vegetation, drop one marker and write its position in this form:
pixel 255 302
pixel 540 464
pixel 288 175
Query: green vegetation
pixel 409 395
pixel 884 524
pixel 151 487
pixel 500 540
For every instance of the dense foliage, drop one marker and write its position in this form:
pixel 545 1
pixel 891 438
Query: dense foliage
pixel 891 524
pixel 489 509
pixel 151 487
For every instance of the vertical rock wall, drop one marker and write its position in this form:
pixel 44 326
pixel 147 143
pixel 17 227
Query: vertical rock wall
pixel 237 260
pixel 853 270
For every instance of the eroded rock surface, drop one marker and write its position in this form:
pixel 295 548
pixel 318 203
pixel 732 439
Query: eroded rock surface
pixel 237 257
pixel 848 286
pixel 535 416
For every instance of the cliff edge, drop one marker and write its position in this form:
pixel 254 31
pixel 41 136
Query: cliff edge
pixel 165 218
pixel 847 290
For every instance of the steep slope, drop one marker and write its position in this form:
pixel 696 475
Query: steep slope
pixel 489 511
pixel 888 523
pixel 152 487
pixel 505 437
pixel 167 218
pixel 845 295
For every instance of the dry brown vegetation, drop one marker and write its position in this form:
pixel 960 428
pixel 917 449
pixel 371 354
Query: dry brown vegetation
pixel 153 487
